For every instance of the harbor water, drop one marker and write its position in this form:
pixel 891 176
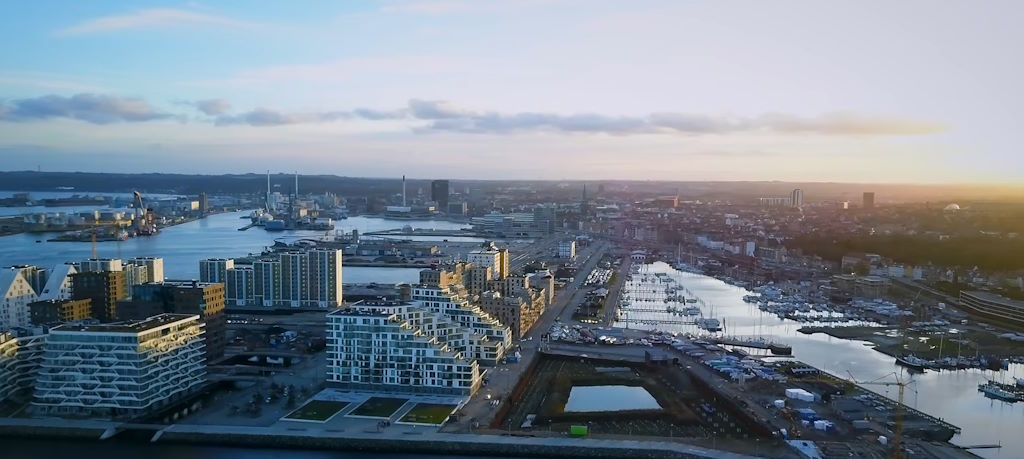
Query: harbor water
pixel 216 236
pixel 950 395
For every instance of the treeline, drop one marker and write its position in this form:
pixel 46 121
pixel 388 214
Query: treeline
pixel 987 253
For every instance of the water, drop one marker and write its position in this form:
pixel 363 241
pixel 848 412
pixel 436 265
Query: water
pixel 952 396
pixel 585 399
pixel 114 449
pixel 216 236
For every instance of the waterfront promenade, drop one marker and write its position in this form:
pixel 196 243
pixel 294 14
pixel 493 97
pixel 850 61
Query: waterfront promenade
pixel 395 439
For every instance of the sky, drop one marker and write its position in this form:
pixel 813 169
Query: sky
pixel 850 91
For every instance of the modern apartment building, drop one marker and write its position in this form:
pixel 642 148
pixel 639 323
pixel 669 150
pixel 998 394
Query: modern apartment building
pixel 154 268
pixel 53 311
pixel 1011 312
pixel 492 257
pixel 205 299
pixel 19 363
pixel 123 370
pixel 520 314
pixel 15 294
pixel 377 346
pixel 240 286
pixel 103 289
pixel 309 279
pixel 215 269
pixel 449 302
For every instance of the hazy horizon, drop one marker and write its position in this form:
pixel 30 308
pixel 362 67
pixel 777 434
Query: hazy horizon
pixel 869 92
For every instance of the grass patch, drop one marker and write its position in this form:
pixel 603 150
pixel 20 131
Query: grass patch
pixel 428 413
pixel 317 410
pixel 379 407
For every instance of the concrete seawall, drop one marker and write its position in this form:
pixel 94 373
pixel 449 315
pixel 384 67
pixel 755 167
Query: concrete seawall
pixel 391 442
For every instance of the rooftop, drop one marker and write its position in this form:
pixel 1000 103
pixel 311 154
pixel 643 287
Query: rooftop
pixel 131 326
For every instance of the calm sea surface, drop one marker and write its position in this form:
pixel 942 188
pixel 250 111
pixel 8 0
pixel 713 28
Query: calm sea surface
pixel 182 246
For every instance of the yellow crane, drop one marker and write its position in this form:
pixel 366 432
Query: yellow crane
pixel 897 440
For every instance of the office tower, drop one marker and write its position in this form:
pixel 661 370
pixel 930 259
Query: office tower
pixel 205 299
pixel 17 293
pixel 145 366
pixel 869 200
pixel 53 311
pixel 797 199
pixel 544 218
pixel 381 346
pixel 103 289
pixel 19 363
pixel 215 269
pixel 439 193
pixel 154 267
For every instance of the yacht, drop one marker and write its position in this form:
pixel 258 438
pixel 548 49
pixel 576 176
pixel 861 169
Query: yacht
pixel 913 363
pixel 992 390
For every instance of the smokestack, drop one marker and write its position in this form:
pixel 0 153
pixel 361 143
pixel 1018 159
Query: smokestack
pixel 296 184
pixel 403 191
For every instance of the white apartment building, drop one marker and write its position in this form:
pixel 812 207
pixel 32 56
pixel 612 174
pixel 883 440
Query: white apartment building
pixel 154 268
pixel 19 363
pixel 120 370
pixel 15 295
pixel 370 346
pixel 567 249
pixel 58 283
pixel 215 269
pixel 445 301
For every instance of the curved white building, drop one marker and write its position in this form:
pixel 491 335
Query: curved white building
pixel 121 370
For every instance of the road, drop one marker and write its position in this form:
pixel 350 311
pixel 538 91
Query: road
pixel 503 378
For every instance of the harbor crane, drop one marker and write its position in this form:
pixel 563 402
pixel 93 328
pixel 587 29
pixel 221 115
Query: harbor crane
pixel 897 441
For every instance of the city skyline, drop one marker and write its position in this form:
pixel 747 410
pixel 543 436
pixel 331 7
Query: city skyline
pixel 658 90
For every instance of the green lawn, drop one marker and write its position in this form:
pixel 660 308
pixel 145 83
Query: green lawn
pixel 379 407
pixel 428 413
pixel 317 410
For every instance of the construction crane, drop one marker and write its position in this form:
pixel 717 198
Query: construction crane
pixel 897 441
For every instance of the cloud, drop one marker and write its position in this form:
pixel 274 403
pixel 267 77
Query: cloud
pixel 425 116
pixel 269 117
pixel 88 107
pixel 151 18
pixel 444 116
pixel 212 107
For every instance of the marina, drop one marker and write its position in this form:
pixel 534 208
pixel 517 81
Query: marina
pixel 948 395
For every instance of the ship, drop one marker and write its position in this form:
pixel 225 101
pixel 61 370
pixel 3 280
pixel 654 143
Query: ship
pixel 912 363
pixel 992 390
